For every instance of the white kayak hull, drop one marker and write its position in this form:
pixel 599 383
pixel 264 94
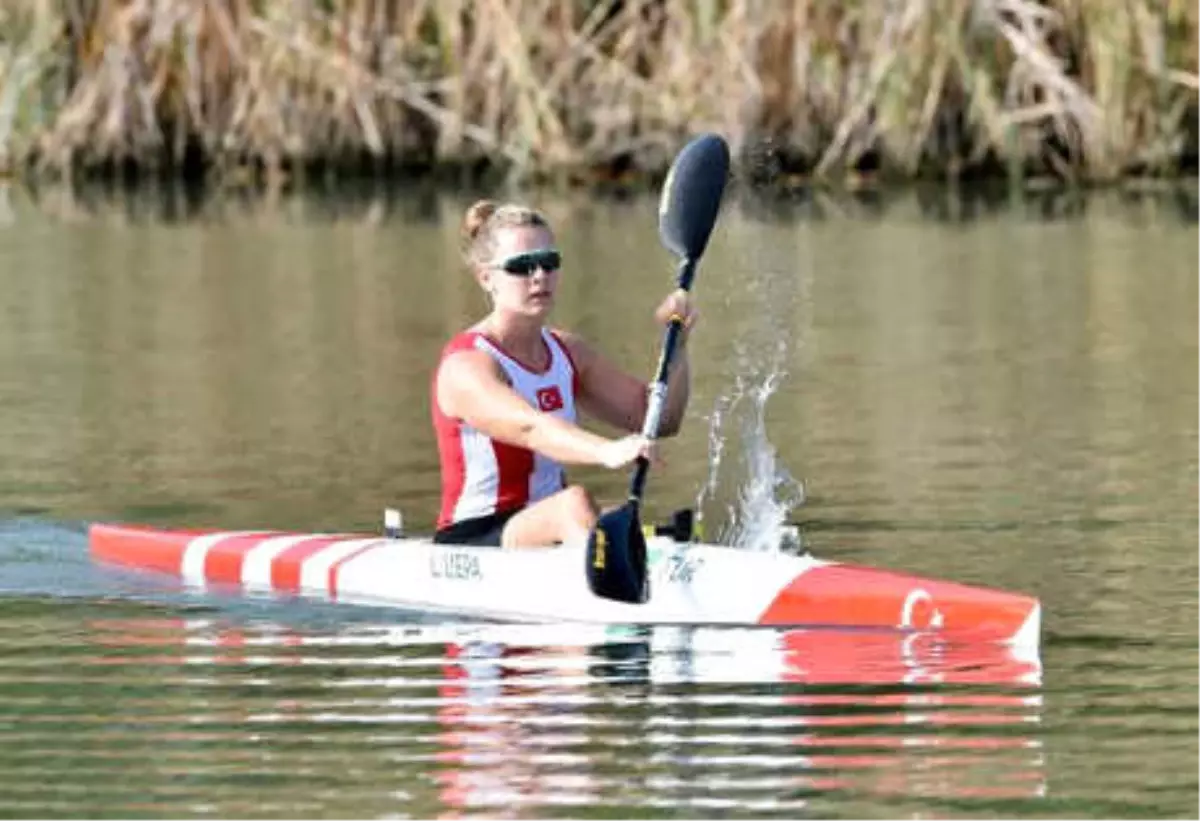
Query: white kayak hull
pixel 689 583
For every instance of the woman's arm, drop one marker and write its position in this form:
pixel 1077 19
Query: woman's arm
pixel 619 399
pixel 470 386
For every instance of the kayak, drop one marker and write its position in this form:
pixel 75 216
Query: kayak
pixel 618 576
pixel 691 583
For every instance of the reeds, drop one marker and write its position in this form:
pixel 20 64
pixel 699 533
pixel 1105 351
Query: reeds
pixel 1089 90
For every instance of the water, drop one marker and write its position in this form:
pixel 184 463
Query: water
pixel 191 714
pixel 998 393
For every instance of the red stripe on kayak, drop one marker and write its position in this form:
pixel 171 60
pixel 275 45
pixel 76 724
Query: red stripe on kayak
pixel 851 596
pixel 335 568
pixel 142 547
pixel 285 568
pixel 223 561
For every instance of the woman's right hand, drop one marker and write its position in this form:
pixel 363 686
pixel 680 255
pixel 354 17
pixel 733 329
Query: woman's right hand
pixel 618 453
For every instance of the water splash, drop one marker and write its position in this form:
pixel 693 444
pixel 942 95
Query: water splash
pixel 766 492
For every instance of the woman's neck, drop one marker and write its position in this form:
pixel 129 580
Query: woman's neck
pixel 519 336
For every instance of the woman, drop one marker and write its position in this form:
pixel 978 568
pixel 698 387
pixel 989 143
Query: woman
pixel 506 391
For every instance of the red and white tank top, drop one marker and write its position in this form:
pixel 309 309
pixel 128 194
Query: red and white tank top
pixel 481 476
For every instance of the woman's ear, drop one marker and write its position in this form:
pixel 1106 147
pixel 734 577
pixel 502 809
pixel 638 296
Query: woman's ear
pixel 484 277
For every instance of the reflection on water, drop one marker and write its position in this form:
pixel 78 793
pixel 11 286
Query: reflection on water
pixel 447 720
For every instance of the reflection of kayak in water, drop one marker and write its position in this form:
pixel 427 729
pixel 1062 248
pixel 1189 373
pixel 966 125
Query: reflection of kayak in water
pixel 668 655
pixel 508 718
pixel 690 583
pixel 868 712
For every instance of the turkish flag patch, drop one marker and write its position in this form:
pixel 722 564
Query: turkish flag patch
pixel 549 399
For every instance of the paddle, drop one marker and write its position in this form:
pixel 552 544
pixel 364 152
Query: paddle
pixel 687 211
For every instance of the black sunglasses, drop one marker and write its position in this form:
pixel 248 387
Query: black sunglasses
pixel 524 264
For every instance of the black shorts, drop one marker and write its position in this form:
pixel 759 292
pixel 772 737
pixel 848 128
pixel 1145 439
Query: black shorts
pixel 482 531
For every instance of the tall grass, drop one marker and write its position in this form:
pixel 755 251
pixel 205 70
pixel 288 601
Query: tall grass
pixel 572 89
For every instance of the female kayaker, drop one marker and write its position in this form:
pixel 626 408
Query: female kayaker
pixel 507 389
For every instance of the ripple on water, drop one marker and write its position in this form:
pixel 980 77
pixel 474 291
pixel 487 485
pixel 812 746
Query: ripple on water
pixel 138 713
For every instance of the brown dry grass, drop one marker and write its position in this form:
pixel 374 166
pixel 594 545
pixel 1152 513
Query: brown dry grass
pixel 560 89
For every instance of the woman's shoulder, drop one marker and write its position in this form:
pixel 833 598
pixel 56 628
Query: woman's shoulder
pixel 468 348
pixel 465 340
pixel 578 350
pixel 566 338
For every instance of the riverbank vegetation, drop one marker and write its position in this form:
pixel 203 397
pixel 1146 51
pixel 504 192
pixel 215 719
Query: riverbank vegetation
pixel 595 90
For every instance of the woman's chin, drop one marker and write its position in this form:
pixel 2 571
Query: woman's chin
pixel 539 307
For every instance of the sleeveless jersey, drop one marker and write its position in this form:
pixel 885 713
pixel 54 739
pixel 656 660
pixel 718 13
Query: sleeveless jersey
pixel 481 476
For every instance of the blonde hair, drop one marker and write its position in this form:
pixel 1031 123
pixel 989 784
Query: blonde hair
pixel 481 222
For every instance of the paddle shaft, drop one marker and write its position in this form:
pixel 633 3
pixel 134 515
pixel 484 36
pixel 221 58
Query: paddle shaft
pixel 691 197
pixel 658 388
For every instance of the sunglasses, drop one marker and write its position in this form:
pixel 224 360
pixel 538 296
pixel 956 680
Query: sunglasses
pixel 524 264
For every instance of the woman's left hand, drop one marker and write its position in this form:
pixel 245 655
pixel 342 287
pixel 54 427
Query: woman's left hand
pixel 678 304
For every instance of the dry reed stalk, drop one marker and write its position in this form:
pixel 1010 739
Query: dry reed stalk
pixel 1093 88
pixel 30 44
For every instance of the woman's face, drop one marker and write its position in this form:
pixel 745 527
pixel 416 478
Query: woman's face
pixel 522 275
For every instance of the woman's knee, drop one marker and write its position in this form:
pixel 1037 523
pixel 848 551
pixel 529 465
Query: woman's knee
pixel 578 500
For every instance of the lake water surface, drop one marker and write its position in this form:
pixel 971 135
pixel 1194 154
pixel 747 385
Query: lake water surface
pixel 1000 393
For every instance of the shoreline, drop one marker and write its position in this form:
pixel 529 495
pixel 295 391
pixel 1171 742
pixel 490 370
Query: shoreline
pixel 370 200
pixel 745 184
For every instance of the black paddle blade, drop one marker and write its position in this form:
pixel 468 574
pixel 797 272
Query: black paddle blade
pixel 616 557
pixel 691 196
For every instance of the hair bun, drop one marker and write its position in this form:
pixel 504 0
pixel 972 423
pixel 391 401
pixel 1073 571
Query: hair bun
pixel 475 218
pixel 481 222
